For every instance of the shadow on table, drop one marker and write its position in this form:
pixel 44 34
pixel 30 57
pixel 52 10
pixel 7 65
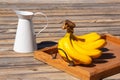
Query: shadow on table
pixel 44 44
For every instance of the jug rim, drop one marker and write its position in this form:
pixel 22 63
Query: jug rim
pixel 24 12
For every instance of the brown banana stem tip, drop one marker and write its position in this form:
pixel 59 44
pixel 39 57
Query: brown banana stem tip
pixel 69 25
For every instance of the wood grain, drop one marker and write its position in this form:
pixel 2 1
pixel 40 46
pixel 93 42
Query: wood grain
pixel 100 16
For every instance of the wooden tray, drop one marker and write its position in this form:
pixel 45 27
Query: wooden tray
pixel 108 64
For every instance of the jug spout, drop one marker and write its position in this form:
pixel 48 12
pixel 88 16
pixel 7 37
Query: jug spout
pixel 24 14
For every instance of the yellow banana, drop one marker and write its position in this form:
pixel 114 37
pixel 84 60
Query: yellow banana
pixel 95 45
pixel 75 55
pixel 62 52
pixel 94 53
pixel 90 37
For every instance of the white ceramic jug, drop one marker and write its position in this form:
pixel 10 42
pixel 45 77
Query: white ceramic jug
pixel 25 39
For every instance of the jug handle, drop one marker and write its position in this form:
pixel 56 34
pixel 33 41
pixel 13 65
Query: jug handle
pixel 36 13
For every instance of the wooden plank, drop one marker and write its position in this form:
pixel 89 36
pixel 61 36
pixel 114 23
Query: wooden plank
pixel 61 5
pixel 42 72
pixel 76 18
pixel 50 32
pixel 11 54
pixel 80 13
pixel 58 25
pixel 60 21
pixel 63 1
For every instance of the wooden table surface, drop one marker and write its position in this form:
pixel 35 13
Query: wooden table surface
pixel 99 17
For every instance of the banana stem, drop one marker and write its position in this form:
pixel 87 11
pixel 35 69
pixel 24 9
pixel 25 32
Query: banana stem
pixel 69 25
pixel 54 57
pixel 71 63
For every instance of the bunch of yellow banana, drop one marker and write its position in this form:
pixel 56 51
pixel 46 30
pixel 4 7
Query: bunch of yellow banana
pixel 80 49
